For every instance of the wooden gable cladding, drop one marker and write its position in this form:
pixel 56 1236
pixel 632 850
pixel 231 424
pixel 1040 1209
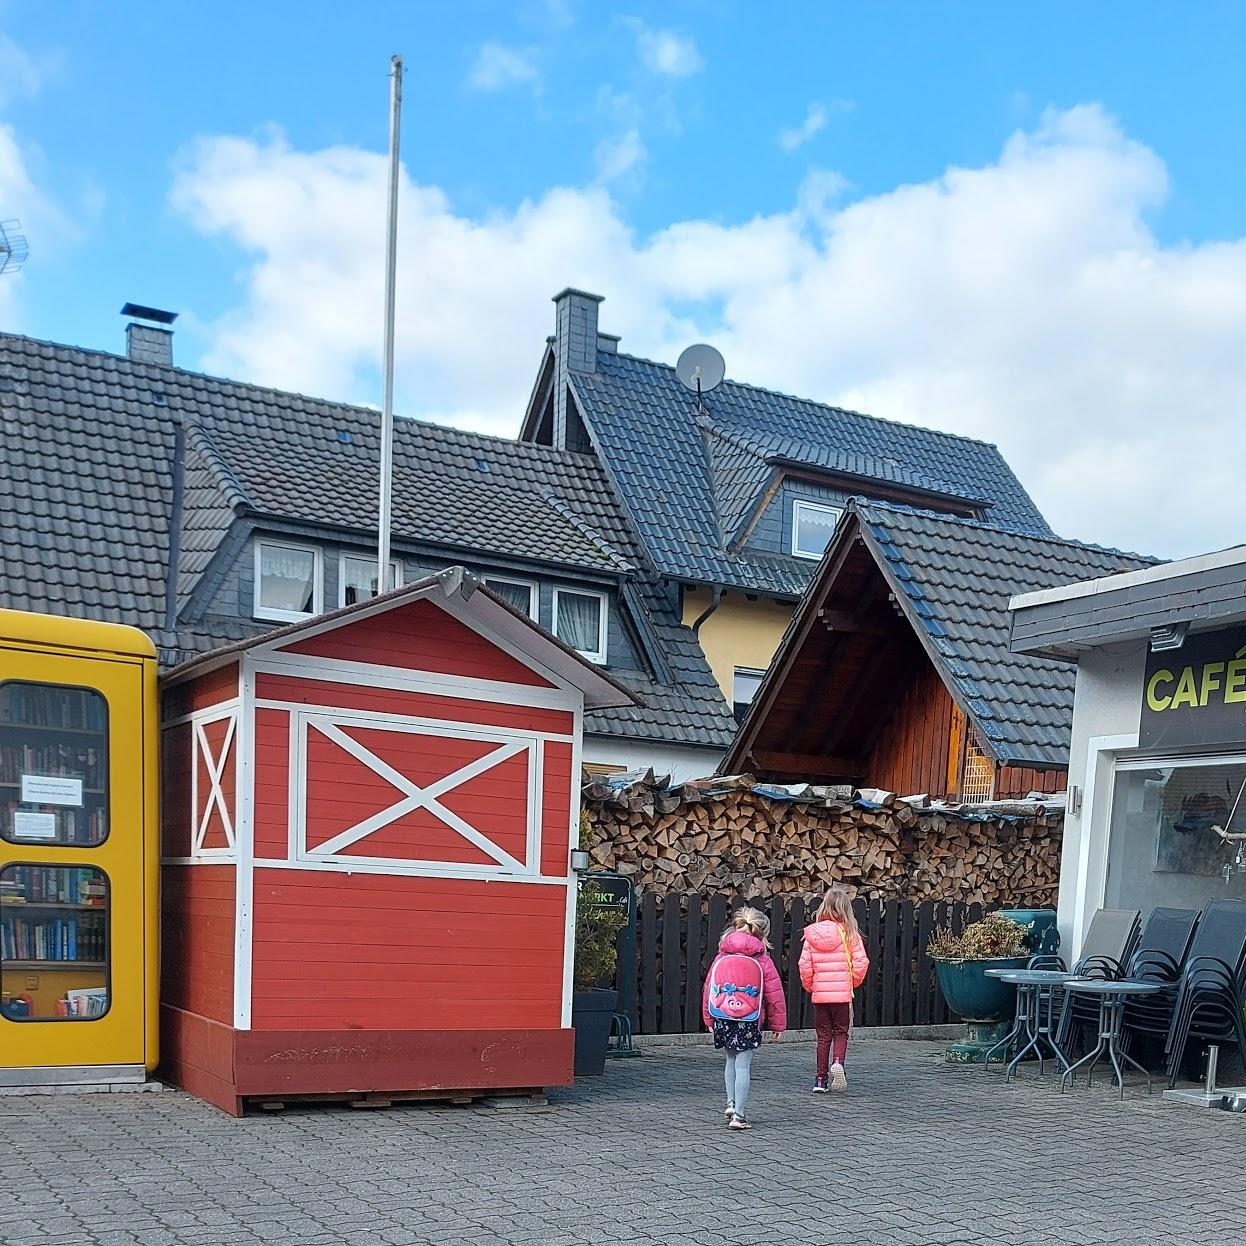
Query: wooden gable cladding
pixel 856 697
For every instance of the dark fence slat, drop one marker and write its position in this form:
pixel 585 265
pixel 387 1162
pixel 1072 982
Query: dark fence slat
pixel 672 965
pixel 695 961
pixel 797 1000
pixel 924 1012
pixel 647 961
pixel 907 967
pixel 890 977
pixel 868 919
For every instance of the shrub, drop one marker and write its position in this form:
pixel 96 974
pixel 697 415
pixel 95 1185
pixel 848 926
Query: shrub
pixel 993 938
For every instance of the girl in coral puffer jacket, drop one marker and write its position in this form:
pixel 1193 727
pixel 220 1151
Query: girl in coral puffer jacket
pixel 743 994
pixel 833 964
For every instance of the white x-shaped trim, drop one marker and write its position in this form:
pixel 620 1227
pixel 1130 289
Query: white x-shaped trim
pixel 215 766
pixel 416 797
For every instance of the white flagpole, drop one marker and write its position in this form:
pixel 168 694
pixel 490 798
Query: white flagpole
pixel 391 255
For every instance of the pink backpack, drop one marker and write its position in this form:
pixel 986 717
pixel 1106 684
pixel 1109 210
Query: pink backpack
pixel 736 984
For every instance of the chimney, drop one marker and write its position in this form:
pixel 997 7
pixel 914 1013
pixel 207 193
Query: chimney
pixel 575 350
pixel 146 343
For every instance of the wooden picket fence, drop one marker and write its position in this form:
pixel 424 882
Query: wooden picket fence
pixel 677 935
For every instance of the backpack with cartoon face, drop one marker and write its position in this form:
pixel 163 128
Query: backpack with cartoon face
pixel 735 988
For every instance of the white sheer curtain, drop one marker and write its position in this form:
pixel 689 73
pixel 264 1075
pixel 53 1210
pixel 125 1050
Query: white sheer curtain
pixel 517 595
pixel 287 579
pixel 579 622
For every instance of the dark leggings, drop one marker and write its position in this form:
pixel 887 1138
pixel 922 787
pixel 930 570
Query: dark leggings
pixel 831 1021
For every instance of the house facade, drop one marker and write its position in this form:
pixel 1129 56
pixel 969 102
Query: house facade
pixel 667 543
pixel 733 501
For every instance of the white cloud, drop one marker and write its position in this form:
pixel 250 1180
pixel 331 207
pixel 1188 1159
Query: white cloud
pixel 1027 302
pixel 667 52
pixel 619 156
pixel 497 67
pixel 20 73
pixel 815 120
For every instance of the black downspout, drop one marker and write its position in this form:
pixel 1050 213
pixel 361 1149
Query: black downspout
pixel 716 596
pixel 175 530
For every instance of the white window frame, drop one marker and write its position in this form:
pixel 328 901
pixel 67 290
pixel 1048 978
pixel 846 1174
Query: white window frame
pixel 749 671
pixel 259 611
pixel 514 581
pixel 395 566
pixel 603 621
pixel 799 505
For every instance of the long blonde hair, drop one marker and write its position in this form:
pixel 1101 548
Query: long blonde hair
pixel 751 921
pixel 836 906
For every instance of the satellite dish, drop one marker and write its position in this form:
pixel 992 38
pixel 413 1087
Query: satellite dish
pixel 700 369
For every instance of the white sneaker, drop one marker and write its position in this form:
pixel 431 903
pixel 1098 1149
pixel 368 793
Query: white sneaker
pixel 738 1122
pixel 838 1080
pixel 729 1111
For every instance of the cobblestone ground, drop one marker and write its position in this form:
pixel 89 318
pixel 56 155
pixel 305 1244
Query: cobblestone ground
pixel 917 1153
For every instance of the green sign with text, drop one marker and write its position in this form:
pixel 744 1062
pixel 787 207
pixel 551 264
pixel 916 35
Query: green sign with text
pixel 1196 694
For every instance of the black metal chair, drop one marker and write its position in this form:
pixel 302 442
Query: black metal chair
pixel 1109 943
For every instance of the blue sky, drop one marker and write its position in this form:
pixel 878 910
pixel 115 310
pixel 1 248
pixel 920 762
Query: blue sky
pixel 730 170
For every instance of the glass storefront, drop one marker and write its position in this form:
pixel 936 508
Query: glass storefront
pixel 1164 848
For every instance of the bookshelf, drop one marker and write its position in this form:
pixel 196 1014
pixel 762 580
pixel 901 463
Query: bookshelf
pixel 53 764
pixel 53 942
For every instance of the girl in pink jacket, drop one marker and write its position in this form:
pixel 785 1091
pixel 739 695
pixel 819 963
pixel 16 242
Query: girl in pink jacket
pixel 833 964
pixel 743 993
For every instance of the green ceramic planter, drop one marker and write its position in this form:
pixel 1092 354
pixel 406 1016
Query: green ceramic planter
pixel 986 1004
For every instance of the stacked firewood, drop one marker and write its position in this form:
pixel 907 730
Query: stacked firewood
pixel 733 835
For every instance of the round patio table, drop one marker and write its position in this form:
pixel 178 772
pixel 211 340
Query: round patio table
pixel 1112 997
pixel 1035 987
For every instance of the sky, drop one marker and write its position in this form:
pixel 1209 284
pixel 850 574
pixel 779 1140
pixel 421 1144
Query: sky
pixel 1025 224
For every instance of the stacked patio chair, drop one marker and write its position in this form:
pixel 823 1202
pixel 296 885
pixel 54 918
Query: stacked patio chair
pixel 1110 942
pixel 1208 1003
pixel 1160 958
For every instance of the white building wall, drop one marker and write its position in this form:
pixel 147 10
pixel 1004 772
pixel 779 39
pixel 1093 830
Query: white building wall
pixel 680 761
pixel 1106 711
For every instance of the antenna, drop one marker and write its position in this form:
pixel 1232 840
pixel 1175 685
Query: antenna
pixel 700 368
pixel 13 249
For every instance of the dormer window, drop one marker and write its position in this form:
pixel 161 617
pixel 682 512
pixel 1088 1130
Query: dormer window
pixel 812 525
pixel 519 593
pixel 357 579
pixel 580 622
pixel 289 581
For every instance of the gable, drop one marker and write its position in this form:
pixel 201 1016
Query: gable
pixel 419 636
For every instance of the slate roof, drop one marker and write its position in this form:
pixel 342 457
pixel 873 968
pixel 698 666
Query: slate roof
pixel 85 497
pixel 957 577
pixel 687 488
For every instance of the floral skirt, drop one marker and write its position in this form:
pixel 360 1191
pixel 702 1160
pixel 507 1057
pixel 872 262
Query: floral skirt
pixel 736 1035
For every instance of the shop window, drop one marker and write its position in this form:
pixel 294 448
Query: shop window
pixel 53 943
pixel 812 526
pixel 357 579
pixel 519 593
pixel 580 621
pixel 1164 847
pixel 53 765
pixel 744 684
pixel 288 581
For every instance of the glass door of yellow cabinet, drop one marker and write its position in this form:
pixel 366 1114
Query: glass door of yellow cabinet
pixel 72 891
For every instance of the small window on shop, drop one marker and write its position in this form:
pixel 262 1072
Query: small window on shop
pixel 53 765
pixel 53 943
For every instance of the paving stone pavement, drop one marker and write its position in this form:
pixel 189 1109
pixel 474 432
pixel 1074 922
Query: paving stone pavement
pixel 917 1154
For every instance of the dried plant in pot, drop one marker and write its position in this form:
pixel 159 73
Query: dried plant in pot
pixel 961 961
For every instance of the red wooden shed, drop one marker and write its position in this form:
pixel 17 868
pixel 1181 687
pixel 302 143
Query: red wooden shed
pixel 367 825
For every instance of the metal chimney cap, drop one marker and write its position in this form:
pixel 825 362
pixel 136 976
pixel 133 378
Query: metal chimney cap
pixel 148 313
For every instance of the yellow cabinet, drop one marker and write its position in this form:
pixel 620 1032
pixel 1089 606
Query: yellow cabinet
pixel 78 851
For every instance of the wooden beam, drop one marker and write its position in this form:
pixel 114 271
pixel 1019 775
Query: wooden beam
pixel 848 621
pixel 806 763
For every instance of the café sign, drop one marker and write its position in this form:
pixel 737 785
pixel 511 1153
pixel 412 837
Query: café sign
pixel 1196 694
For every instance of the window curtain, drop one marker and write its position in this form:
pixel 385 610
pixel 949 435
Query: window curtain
pixel 579 620
pixel 287 579
pixel 814 530
pixel 517 595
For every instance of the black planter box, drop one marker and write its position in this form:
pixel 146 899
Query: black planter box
pixel 591 1014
